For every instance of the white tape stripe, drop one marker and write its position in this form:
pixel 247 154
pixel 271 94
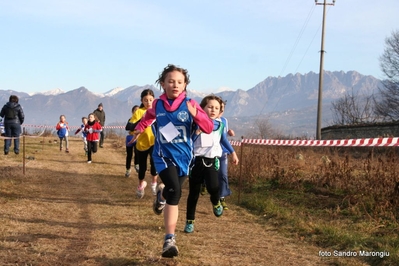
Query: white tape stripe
pixel 367 142
pixel 1 137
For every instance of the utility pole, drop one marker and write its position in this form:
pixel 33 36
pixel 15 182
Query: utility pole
pixel 320 98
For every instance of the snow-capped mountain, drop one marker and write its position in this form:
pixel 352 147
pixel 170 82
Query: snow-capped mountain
pixel 50 92
pixel 114 91
pixel 196 94
pixel 289 102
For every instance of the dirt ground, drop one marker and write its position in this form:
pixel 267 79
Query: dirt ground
pixel 64 211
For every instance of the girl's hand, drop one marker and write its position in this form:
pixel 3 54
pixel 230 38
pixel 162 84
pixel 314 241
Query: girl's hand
pixel 230 132
pixel 131 141
pixel 235 158
pixel 192 109
pixel 136 135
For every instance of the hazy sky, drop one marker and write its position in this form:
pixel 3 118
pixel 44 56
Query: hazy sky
pixel 234 44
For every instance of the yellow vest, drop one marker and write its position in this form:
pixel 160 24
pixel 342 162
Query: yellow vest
pixel 146 138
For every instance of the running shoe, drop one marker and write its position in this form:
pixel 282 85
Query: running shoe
pixel 189 228
pixel 127 174
pixel 170 249
pixel 140 190
pixel 159 204
pixel 223 202
pixel 218 209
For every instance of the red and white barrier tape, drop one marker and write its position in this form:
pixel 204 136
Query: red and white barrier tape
pixel 376 142
pixel 71 127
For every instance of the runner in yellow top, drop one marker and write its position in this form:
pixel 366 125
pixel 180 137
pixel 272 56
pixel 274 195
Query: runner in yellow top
pixel 144 145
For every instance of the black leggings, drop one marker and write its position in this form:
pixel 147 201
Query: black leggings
pixel 142 161
pixel 91 148
pixel 129 155
pixel 204 169
pixel 173 184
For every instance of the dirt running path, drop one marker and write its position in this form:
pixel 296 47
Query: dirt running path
pixel 67 212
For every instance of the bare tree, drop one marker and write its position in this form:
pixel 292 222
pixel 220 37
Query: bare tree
pixel 387 101
pixel 263 129
pixel 353 108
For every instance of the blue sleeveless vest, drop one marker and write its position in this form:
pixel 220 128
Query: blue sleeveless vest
pixel 179 151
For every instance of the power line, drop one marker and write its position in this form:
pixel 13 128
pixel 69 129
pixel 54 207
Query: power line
pixel 298 38
pixel 304 26
pixel 291 53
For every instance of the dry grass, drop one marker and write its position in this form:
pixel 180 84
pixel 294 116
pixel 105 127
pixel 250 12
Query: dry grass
pixel 64 211
pixel 341 198
pixel 365 176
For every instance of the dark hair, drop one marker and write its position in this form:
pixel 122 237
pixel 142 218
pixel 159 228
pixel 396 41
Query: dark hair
pixel 134 107
pixel 146 92
pixel 170 68
pixel 206 99
pixel 14 98
pixel 84 117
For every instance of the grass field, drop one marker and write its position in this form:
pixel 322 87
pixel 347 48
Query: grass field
pixel 341 199
pixel 63 211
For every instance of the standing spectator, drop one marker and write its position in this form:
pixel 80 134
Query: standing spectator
pixel 100 114
pixel 62 132
pixel 13 119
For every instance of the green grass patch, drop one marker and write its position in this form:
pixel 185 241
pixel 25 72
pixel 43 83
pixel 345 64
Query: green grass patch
pixel 324 217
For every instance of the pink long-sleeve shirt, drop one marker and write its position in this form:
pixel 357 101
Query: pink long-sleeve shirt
pixel 201 119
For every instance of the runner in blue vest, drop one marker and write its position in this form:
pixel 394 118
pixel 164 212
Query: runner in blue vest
pixel 63 132
pixel 174 115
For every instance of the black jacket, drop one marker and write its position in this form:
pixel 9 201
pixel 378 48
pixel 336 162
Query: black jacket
pixel 18 117
pixel 100 115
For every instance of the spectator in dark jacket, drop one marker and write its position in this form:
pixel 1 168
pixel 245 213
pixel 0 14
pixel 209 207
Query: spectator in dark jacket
pixel 100 114
pixel 13 119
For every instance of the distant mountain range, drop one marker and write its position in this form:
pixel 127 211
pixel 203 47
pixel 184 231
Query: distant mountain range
pixel 289 103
